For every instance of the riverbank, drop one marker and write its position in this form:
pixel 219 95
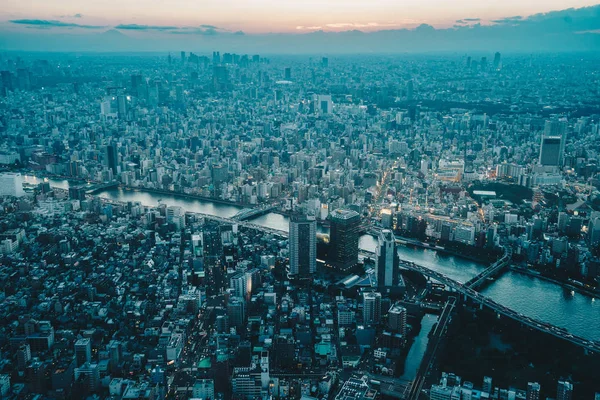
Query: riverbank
pixel 565 285
pixel 44 174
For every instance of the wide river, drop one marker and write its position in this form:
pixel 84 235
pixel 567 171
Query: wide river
pixel 531 296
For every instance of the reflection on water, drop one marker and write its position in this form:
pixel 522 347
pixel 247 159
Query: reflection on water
pixel 151 199
pixel 415 354
pixel 576 312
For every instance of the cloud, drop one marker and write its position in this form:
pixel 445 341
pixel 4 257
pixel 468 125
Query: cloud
pixel 209 26
pixel 136 27
pixel 509 20
pixel 467 20
pixel 308 28
pixel 44 23
pixel 202 30
pixel 239 33
pixel 338 25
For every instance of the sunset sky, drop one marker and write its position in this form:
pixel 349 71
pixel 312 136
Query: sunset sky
pixel 264 16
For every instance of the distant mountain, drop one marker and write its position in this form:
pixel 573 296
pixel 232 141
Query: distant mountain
pixel 557 31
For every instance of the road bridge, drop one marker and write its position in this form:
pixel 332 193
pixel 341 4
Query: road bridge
pixel 477 281
pixel 468 292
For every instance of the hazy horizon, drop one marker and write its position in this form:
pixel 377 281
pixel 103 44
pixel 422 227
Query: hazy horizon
pixel 474 27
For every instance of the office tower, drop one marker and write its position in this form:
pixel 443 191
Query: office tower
pixel 236 312
pixel 397 319
pixel 551 151
pixel 371 308
pixel 83 351
pixel 11 184
pixel 136 83
pixel 238 284
pixel 303 245
pixel 343 238
pixel 219 174
pixel 594 231
pixel 484 64
pixel 533 391
pixel 288 74
pixel 386 259
pixel 325 62
pixel 115 352
pixel 323 104
pixel 387 218
pixel 497 61
pixel 211 239
pixel 564 390
pixel 183 57
pixel 179 94
pixel 410 89
pixel 220 77
pixel 468 63
pixel 123 103
pixel 111 157
pixel 552 147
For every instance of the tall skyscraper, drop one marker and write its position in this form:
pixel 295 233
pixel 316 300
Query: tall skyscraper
pixel 533 391
pixel 343 238
pixel 288 74
pixel 497 61
pixel 386 259
pixel 564 390
pixel 552 148
pixel 371 308
pixel 236 311
pixel 303 245
pixel 83 351
pixel 111 157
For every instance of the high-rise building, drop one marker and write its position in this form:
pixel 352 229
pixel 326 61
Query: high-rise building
pixel 111 159
pixel 594 231
pixel 83 351
pixel 236 311
pixel 533 391
pixel 552 147
pixel 303 245
pixel 323 104
pixel 397 319
pixel 497 61
pixel 288 74
pixel 343 238
pixel 386 259
pixel 564 390
pixel 11 184
pixel 371 308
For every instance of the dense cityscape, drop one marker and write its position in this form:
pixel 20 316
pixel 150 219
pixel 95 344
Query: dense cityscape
pixel 241 226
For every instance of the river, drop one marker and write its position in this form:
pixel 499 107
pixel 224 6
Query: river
pixel 531 296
